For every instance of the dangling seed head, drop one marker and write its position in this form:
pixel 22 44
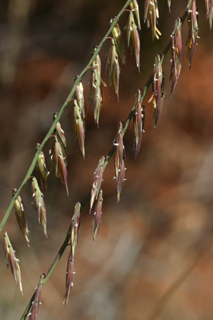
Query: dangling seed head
pixel 119 148
pixel 32 315
pixel 74 237
pixel 59 132
pixel 117 36
pixel 12 261
pixel 135 9
pixel 21 216
pixel 129 28
pixel 176 50
pixel 79 127
pixel 75 227
pixel 151 14
pixel 69 277
pixel 209 12
pixel 79 96
pixel 169 5
pixel 133 39
pixel 42 170
pixel 39 205
pixel 119 160
pixel 191 41
pixel 114 68
pixel 97 216
pixel 158 89
pixel 138 123
pixel 98 178
pixel 59 163
pixel 120 180
pixel 95 95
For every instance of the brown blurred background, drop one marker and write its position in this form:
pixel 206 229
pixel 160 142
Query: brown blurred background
pixel 164 219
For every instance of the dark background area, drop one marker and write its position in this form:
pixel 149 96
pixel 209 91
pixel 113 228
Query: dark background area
pixel 164 218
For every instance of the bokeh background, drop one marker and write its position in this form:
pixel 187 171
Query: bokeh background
pixel 153 258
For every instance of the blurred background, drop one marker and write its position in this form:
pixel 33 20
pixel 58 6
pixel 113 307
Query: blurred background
pixel 141 264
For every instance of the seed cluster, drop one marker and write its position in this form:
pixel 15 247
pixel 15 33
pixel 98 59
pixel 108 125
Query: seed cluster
pixel 58 153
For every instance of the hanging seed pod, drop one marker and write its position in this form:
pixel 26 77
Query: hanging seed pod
pixel 120 180
pixel 158 89
pixel 75 227
pixel 54 155
pixel 42 170
pixel 63 171
pixel 118 41
pixel 133 39
pixel 119 160
pixel 97 216
pixel 129 28
pixel 59 132
pixel 12 261
pixel 192 37
pixel 79 127
pixel 176 50
pixel 135 9
pixel 21 216
pixel 32 315
pixel 79 96
pixel 209 12
pixel 119 149
pixel 169 5
pixel 151 14
pixel 69 277
pixel 39 205
pixel 59 163
pixel 74 237
pixel 98 178
pixel 138 123
pixel 95 95
pixel 114 68
pixel 98 106
pixel 96 65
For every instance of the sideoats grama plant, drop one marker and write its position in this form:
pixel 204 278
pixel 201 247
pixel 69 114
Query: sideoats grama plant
pixel 120 40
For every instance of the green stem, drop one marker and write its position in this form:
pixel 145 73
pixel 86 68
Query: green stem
pixel 52 128
pixel 109 155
